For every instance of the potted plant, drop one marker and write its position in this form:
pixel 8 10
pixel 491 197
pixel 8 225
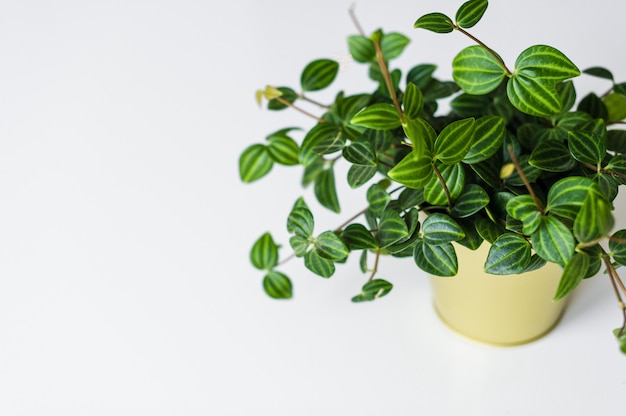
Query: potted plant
pixel 517 165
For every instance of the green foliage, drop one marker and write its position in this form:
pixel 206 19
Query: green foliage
pixel 519 163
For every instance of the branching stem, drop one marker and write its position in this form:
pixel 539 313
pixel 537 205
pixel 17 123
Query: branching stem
pixel 487 48
pixel 306 113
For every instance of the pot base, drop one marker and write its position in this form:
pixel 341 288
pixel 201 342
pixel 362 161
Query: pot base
pixel 498 310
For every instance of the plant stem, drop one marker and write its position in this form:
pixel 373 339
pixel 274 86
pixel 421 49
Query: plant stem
pixel 487 48
pixel 306 113
pixel 355 20
pixel 320 105
pixel 375 270
pixel 349 220
pixel 605 171
pixel 615 281
pixel 522 175
pixel 445 187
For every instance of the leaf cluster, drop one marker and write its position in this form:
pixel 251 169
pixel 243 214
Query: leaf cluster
pixel 518 161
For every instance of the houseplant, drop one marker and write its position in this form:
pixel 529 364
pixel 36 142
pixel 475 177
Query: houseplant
pixel 517 162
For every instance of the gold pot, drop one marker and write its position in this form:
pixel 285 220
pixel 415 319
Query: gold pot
pixel 502 310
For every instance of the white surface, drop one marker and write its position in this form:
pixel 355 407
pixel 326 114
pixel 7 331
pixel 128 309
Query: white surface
pixel 125 287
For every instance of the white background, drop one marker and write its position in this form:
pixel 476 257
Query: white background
pixel 125 286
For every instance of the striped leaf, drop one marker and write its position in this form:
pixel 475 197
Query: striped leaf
pixel 616 141
pixel 380 116
pixel 488 137
pixel 567 195
pixel 300 222
pixel 616 106
pixel 437 260
pixel 299 244
pixel 439 229
pixel 454 178
pixel 357 237
pixel 476 71
pixel 378 199
pixel 509 254
pixel 586 147
pixel 361 48
pixel 283 150
pixel 594 106
pixel 422 135
pixel 617 245
pixel 264 253
pixel 374 289
pixel 323 138
pixel 392 45
pixel 470 13
pixel 523 208
pixel 412 171
pixel 254 163
pixel 454 141
pixel 277 285
pixel 318 265
pixel 488 230
pixel 360 153
pixel 391 229
pixel 435 22
pixel 553 241
pixel 421 75
pixel 532 88
pixel 573 274
pixel 286 94
pixel 552 156
pixel 329 246
pixel 472 239
pixel 318 74
pixel 412 101
pixel 359 175
pixel 473 199
pixel 594 220
pixel 325 190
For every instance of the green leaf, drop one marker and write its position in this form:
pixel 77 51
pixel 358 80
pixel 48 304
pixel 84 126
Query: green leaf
pixel 328 245
pixel 594 220
pixel 599 72
pixel 287 94
pixel 616 106
pixel 454 141
pixel 437 260
pixel 616 141
pixel 566 196
pixel 361 48
pixel 523 208
pixel 620 334
pixel 359 175
pixel 325 190
pixel 476 71
pixel 553 241
pixel 454 178
pixel 422 135
pixel 378 199
pixel 277 285
pixel 617 245
pixel 439 229
pixel 473 199
pixel 264 253
pixel 360 152
pixel 380 116
pixel 572 275
pixel 392 45
pixel 319 74
pixel 319 265
pixel 488 230
pixel 391 229
pixel 435 22
pixel 421 75
pixel 413 101
pixel 470 13
pixel 531 172
pixel 299 244
pixel 254 163
pixel 300 222
pixel 412 171
pixel 357 237
pixel 586 147
pixel 373 289
pixel 323 138
pixel 594 106
pixel 488 137
pixel 283 150
pixel 509 254
pixel 552 156
pixel 532 88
